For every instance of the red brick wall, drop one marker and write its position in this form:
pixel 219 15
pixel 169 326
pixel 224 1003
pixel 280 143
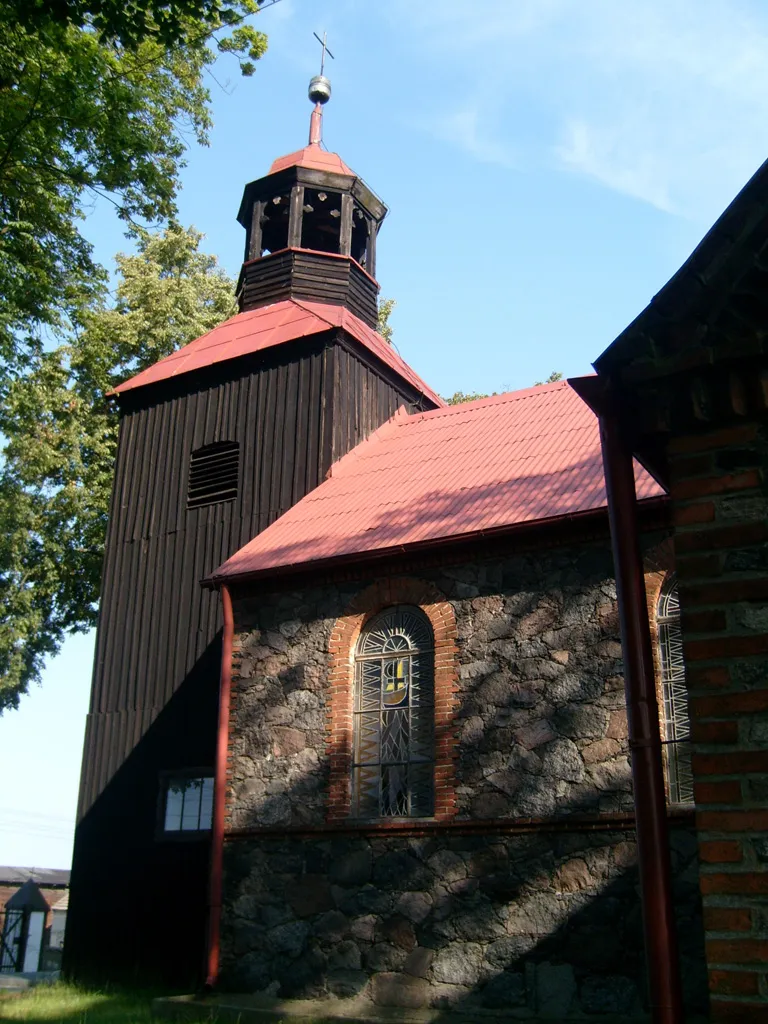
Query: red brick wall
pixel 721 545
pixel 342 650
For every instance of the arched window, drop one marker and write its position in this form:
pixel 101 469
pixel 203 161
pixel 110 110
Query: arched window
pixel 393 763
pixel 675 724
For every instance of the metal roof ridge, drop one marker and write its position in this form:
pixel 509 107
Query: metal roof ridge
pixel 501 399
pixel 347 320
pixel 304 304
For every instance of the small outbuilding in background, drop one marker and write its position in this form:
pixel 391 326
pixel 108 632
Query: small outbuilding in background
pixel 33 908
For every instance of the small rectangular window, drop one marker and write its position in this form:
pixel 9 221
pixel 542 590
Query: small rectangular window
pixel 187 804
pixel 213 474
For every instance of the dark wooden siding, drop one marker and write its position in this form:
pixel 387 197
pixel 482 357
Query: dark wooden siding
pixel 317 276
pixel 158 550
pixel 155 684
pixel 364 401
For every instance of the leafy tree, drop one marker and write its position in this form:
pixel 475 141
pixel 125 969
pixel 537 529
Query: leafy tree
pixel 61 433
pixel 81 117
pixel 459 397
pixel 551 379
pixel 132 22
pixel 383 325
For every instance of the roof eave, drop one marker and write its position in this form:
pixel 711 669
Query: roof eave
pixel 710 260
pixel 366 558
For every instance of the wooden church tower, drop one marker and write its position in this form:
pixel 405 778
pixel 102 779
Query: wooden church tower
pixel 216 442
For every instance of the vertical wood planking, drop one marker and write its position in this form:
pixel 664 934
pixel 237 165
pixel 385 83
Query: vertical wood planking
pixel 292 417
pixel 253 241
pixel 302 419
pixel 159 628
pixel 296 215
pixel 345 236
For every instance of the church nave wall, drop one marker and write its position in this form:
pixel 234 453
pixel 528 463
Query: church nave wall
pixel 539 724
pixel 524 896
pixel 547 924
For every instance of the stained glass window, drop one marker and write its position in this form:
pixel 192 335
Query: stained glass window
pixel 675 724
pixel 393 770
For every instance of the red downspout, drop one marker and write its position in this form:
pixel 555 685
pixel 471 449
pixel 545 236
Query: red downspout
pixel 643 721
pixel 220 796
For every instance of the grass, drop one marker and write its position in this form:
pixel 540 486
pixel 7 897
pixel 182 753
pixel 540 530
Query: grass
pixel 62 1003
pixel 70 1004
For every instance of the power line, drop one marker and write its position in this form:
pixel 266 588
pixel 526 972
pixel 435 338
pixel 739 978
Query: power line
pixel 23 812
pixel 26 828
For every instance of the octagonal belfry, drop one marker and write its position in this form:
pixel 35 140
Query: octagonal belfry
pixel 311 227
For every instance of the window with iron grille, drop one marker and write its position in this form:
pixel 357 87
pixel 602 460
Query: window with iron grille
pixel 675 724
pixel 213 473
pixel 393 765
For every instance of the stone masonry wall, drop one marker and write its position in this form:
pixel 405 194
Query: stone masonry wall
pixel 541 924
pixel 546 922
pixel 540 721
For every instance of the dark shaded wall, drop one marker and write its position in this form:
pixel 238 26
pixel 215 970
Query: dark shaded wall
pixel 689 378
pixel 719 489
pixel 546 923
pixel 527 899
pixel 155 685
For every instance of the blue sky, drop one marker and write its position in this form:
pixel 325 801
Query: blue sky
pixel 548 164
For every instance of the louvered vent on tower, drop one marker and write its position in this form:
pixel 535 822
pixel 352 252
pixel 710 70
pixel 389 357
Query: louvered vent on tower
pixel 213 473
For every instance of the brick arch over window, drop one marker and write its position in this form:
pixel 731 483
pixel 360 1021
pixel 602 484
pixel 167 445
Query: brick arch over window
pixel 659 568
pixel 344 637
pixel 658 564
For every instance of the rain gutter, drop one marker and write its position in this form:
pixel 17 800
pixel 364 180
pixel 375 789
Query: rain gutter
pixel 219 797
pixel 643 724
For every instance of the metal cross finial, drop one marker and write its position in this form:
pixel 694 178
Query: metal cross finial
pixel 324 43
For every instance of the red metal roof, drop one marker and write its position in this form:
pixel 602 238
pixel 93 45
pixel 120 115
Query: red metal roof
pixel 312 156
pixel 265 327
pixel 521 457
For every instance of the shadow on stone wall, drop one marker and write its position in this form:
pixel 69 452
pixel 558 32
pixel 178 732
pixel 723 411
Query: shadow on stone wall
pixel 545 921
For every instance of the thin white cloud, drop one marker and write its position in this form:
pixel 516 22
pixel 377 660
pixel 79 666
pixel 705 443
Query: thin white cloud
pixel 464 128
pixel 665 101
pixel 594 153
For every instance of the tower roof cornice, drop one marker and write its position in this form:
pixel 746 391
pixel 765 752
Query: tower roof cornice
pixel 313 156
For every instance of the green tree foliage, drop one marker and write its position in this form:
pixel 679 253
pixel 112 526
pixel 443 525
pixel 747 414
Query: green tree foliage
pixel 132 22
pixel 551 379
pixel 81 117
pixel 383 325
pixel 61 434
pixel 459 397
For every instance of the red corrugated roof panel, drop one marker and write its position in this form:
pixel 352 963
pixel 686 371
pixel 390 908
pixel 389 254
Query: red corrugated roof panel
pixel 259 329
pixel 312 156
pixel 521 457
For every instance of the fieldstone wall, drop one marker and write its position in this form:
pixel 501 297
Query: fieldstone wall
pixel 543 924
pixel 540 725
